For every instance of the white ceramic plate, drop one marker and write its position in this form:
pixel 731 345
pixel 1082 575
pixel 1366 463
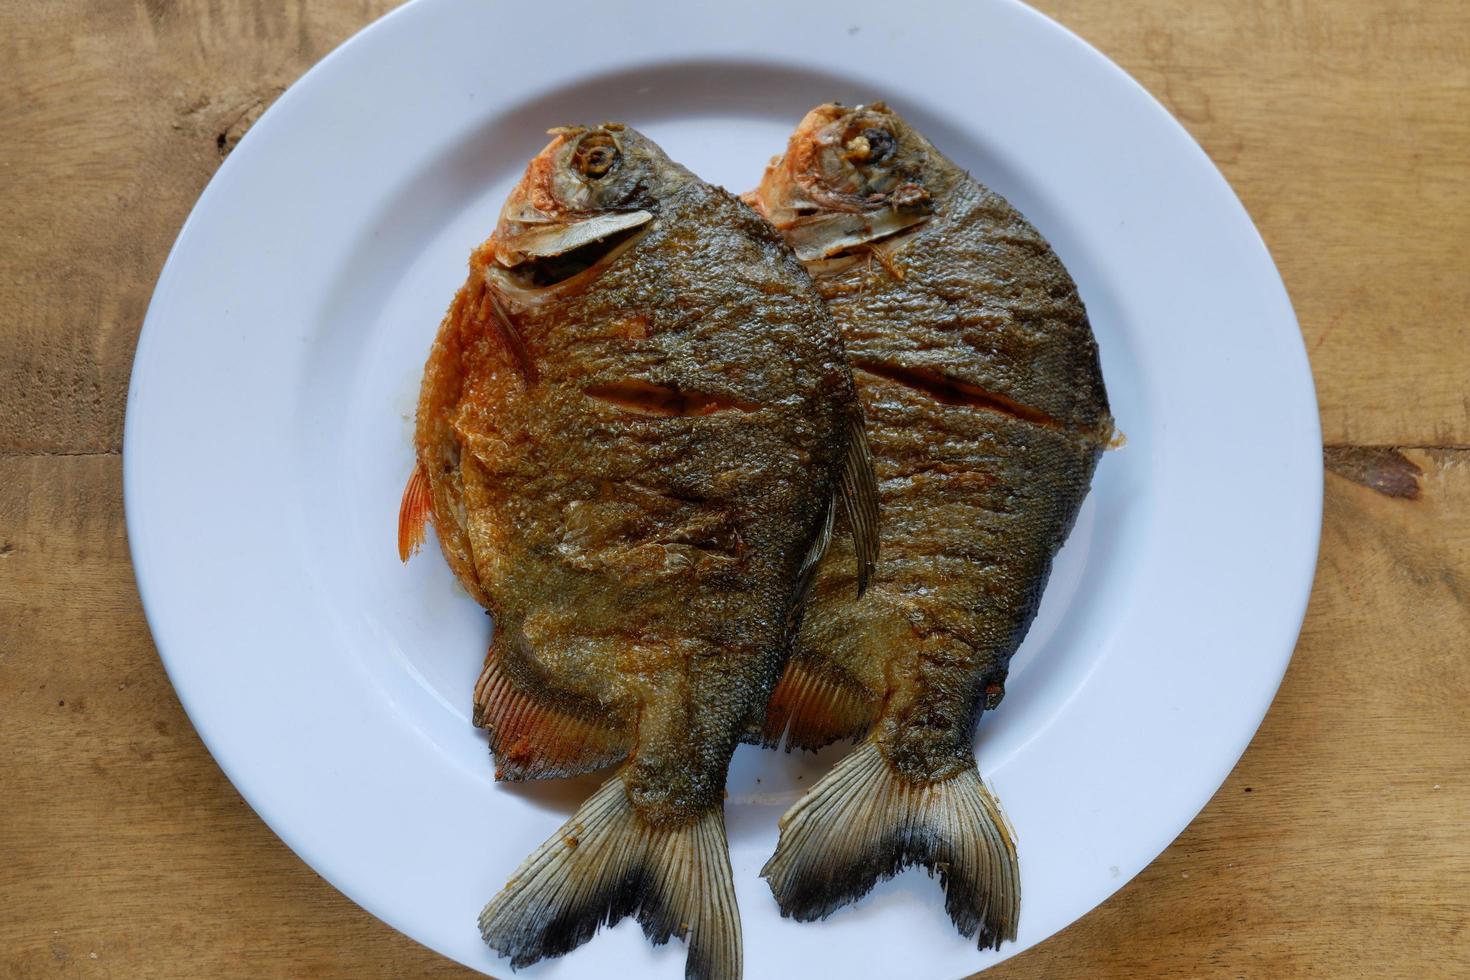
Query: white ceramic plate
pixel 269 420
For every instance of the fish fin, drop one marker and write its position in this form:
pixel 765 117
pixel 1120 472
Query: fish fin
pixel 859 487
pixel 510 337
pixel 863 822
pixel 814 555
pixel 811 708
pixel 534 741
pixel 606 863
pixel 414 513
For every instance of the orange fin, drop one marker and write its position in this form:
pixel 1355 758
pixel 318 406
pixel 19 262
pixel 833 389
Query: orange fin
pixel 809 709
pixel 414 513
pixel 533 741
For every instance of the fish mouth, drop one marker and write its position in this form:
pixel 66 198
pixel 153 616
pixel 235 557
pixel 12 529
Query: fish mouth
pixel 830 234
pixel 543 256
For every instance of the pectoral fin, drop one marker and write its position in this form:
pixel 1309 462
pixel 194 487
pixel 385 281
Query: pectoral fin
pixel 414 513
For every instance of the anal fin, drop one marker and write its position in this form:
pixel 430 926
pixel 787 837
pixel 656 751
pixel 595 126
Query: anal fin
pixel 810 709
pixel 531 740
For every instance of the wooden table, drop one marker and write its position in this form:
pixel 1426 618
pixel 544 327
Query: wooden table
pixel 1340 846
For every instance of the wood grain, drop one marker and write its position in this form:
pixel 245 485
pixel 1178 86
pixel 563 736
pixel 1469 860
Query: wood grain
pixel 1343 128
pixel 1340 846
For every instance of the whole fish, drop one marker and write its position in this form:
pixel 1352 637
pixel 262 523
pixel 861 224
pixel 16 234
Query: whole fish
pixel 634 428
pixel 986 414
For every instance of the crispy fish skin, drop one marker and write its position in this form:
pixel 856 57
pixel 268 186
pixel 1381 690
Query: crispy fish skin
pixel 987 414
pixel 634 424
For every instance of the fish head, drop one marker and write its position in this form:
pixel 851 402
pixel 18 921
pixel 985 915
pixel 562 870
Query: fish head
pixel 590 191
pixel 851 175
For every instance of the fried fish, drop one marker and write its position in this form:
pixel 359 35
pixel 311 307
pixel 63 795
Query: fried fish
pixel 979 374
pixel 634 430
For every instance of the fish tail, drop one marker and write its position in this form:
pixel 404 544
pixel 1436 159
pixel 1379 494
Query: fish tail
pixel 606 863
pixel 864 822
pixel 414 513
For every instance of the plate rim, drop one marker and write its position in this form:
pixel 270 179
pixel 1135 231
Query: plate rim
pixel 155 605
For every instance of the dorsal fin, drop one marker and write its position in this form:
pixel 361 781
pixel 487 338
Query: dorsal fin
pixel 859 488
pixel 814 555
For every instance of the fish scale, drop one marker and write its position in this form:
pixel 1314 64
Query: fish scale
pixel 986 415
pixel 632 459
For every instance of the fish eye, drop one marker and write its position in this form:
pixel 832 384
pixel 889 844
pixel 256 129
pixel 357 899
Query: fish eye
pixel 596 156
pixel 881 142
pixel 870 146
